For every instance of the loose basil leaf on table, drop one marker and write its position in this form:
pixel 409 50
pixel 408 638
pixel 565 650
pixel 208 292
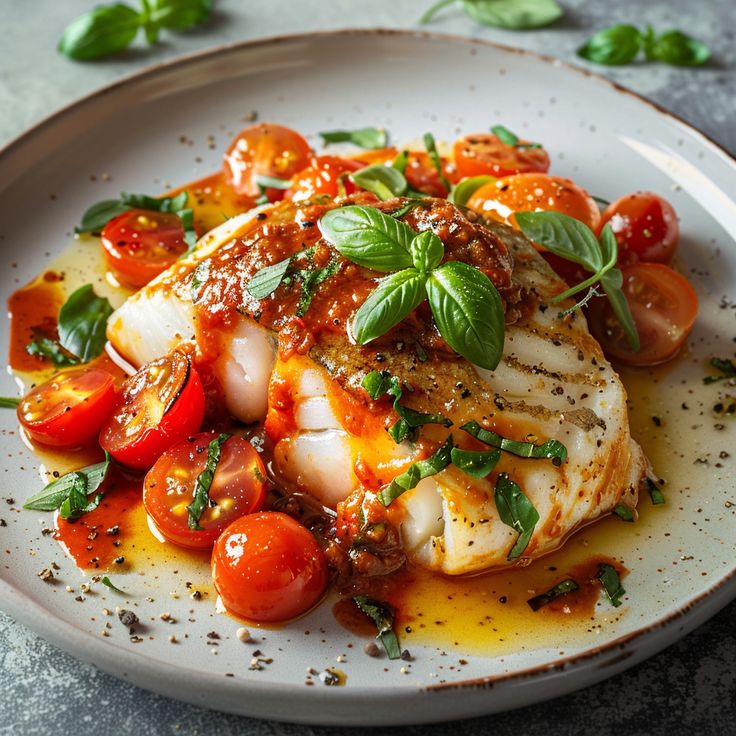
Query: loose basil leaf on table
pixel 370 138
pixel 465 189
pixel 475 463
pixel 512 14
pixel 385 182
pixel 83 323
pixel 103 31
pixel 201 496
pixel 609 577
pixel 382 615
pixel 176 15
pixel 468 312
pixel 517 511
pixel 564 587
pixel 614 46
pixel 676 48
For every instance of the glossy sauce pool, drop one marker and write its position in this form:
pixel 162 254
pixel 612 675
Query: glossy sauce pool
pixel 484 614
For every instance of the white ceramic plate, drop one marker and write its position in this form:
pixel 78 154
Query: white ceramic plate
pixel 129 136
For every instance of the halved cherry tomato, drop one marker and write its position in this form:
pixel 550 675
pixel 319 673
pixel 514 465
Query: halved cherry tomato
pixel 424 177
pixel 664 306
pixel 264 150
pixel 161 404
pixel 484 153
pixel 321 177
pixel 238 488
pixel 370 156
pixel 268 567
pixel 141 244
pixel 69 409
pixel 645 226
pixel 500 199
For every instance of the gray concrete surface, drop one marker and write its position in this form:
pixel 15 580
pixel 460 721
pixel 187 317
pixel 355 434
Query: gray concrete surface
pixel 688 689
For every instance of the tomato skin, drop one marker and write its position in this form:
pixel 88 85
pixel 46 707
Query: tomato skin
pixel 268 567
pixel 321 177
pixel 141 244
pixel 69 409
pixel 135 438
pixel 238 488
pixel 264 150
pixel 484 153
pixel 499 200
pixel 645 226
pixel 664 306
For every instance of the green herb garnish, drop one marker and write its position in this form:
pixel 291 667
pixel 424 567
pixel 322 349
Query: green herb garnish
pixel 611 582
pixel 475 463
pixel 108 583
pixel 621 44
pixel 465 189
pixel 110 29
pixel 434 157
pixel 382 615
pixel 7 402
pixel 202 484
pixel 512 14
pixel 382 383
pixel 385 182
pixel 465 305
pixel 552 450
pixel 726 366
pixel 655 493
pixel 562 588
pixel 624 512
pixel 511 139
pixel 517 511
pixel 418 471
pixel 48 349
pixel 574 241
pixel 199 279
pixel 362 137
pixel 83 323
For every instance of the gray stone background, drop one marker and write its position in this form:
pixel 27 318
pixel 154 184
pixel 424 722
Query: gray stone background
pixel 689 688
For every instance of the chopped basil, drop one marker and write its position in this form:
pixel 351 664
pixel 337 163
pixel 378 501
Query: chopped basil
pixel 511 14
pixel 379 384
pixel 475 463
pixel 562 588
pixel 624 512
pixel 311 278
pixel 551 449
pixel 726 366
pixel 385 182
pixel 108 583
pixel 434 157
pixel 69 492
pixel 611 582
pixel 6 402
pixel 199 279
pixel 202 484
pixel 655 492
pixel 46 348
pixel 83 323
pixel 511 139
pixel 463 191
pixel 382 615
pixel 362 137
pixel 517 511
pixel 418 471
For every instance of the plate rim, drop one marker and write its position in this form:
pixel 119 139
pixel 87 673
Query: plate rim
pixel 616 654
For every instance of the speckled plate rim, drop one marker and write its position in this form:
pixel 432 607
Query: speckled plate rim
pixel 215 691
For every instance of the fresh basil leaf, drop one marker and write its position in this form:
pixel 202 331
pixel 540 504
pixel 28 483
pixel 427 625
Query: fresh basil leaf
pixel 468 312
pixel 612 281
pixel 272 182
pixel 190 236
pixel 108 583
pixel 177 15
pixel 264 282
pixel 380 383
pixel 434 157
pixel 552 450
pixel 676 48
pixel 395 298
pixel 154 204
pixel 463 191
pixel 505 135
pixel 427 251
pixel 201 496
pixel 475 463
pixel 385 182
pixel 624 512
pixel 611 582
pixel 368 237
pixel 513 14
pixel 45 347
pixel 655 493
pixel 6 402
pixel 382 615
pixel 418 471
pixel 401 161
pixel 103 31
pixel 517 511
pixel 613 46
pixel 564 236
pixel 362 137
pixel 76 503
pixel 98 215
pixel 726 366
pixel 202 273
pixel 82 323
pixel 55 493
pixel 562 588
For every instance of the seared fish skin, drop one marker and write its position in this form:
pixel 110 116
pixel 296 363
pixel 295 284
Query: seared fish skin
pixel 302 375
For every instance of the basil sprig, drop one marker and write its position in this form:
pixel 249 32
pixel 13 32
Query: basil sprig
pixel 727 367
pixel 552 450
pixel 512 14
pixel 621 44
pixel 109 29
pixel 517 511
pixel 575 241
pixel 370 138
pixel 562 588
pixel 201 496
pixel 83 323
pixel 378 384
pixel 511 139
pixel 384 181
pixel 611 582
pixel 70 492
pixel 382 615
pixel 419 470
pixel 465 305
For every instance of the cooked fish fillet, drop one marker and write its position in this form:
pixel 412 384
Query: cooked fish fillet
pixel 302 375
